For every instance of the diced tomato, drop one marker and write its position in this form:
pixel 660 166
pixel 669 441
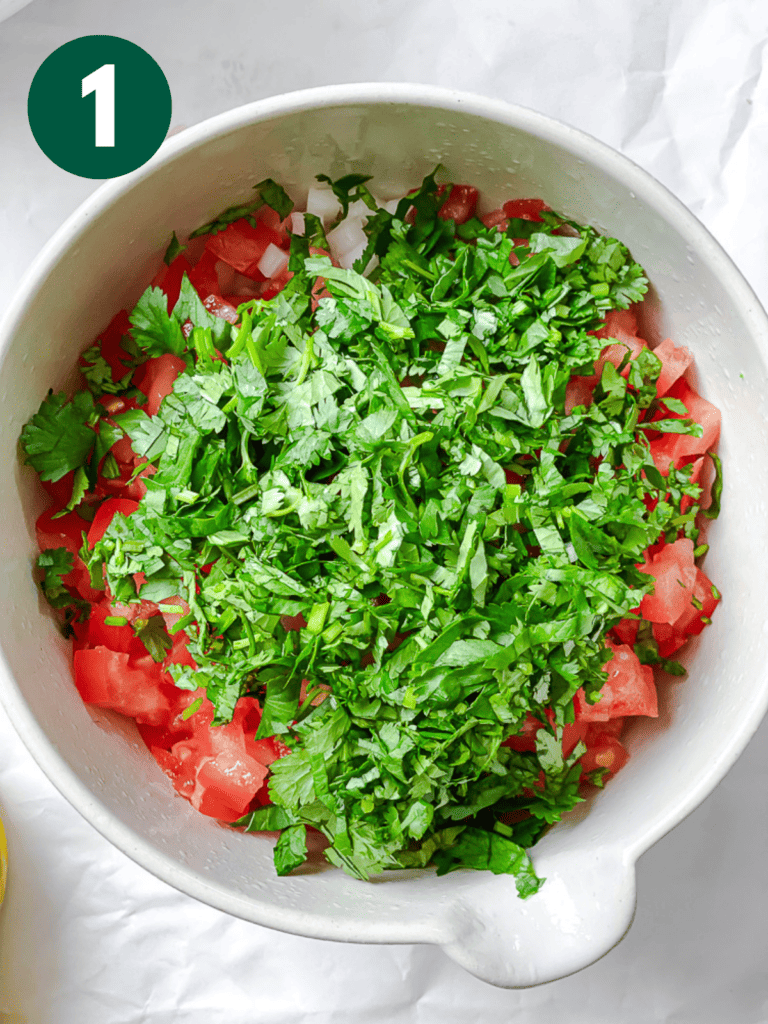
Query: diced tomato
pixel 219 769
pixel 319 697
pixel 293 622
pixel 179 654
pixel 169 278
pixel 605 751
pixel 225 276
pixel 514 478
pixel 626 631
pixel 629 689
pixel 620 324
pixel 124 486
pixel 155 378
pixel 241 245
pixel 525 209
pixel 217 306
pixel 572 734
pixel 616 354
pixel 134 610
pixel 460 205
pixel 67 532
pixel 690 621
pixel 525 738
pixel 123 452
pixel 686 502
pixel 121 639
pixel 105 515
pixel 175 727
pixel 277 283
pixel 271 218
pixel 613 727
pixel 671 447
pixel 131 686
pixel 674 571
pixel 203 276
pixel 671 636
pixel 171 618
pixel 578 391
pixel 674 363
pixel 59 491
pixel 669 639
pixel 620 327
pixel 495 219
pixel 111 349
pixel 63 532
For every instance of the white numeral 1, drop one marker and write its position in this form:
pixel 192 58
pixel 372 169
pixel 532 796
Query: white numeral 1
pixel 102 82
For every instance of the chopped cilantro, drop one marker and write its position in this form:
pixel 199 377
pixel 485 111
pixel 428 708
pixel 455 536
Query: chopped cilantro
pixel 175 248
pixel 713 510
pixel 355 469
pixel 55 563
pixel 275 196
pixel 229 216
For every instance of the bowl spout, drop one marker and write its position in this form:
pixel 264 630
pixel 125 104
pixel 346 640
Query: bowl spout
pixel 583 910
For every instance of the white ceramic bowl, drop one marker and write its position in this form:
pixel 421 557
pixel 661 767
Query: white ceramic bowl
pixel 102 259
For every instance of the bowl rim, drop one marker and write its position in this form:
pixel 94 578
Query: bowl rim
pixel 549 129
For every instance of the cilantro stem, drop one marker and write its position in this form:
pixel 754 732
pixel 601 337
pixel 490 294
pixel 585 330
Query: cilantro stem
pixel 253 354
pixel 249 633
pixel 418 270
pixel 246 494
pixel 192 708
pixel 241 339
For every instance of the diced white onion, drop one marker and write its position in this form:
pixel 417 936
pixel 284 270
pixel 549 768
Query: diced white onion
pixel 348 258
pixel 373 262
pixel 359 210
pixel 273 260
pixel 346 238
pixel 297 223
pixel 323 204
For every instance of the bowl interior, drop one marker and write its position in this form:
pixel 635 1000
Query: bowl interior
pixel 103 261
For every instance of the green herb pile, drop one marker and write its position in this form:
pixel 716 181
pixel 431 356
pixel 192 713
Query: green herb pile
pixel 352 465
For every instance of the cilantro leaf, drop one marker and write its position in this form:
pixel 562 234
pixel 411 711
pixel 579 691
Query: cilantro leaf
pixel 291 849
pixel 349 188
pixel 55 563
pixel 275 196
pixel 478 849
pixel 59 437
pixel 154 636
pixel 153 331
pixel 227 217
pixel 713 510
pixel 175 248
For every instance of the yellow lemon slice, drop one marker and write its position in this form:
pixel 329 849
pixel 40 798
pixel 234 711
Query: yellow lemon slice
pixel 3 862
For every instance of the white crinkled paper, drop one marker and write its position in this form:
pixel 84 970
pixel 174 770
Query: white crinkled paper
pixel 679 86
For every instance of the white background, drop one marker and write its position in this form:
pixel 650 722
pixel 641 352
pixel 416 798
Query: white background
pixel 681 87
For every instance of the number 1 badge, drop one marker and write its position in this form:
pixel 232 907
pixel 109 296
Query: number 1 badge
pixel 99 106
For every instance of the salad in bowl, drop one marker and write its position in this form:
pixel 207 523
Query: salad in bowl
pixel 377 520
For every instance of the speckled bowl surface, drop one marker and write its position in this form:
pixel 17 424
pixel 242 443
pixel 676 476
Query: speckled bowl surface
pixel 101 260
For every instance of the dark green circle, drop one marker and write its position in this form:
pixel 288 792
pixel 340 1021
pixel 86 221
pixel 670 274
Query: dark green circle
pixel 63 121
